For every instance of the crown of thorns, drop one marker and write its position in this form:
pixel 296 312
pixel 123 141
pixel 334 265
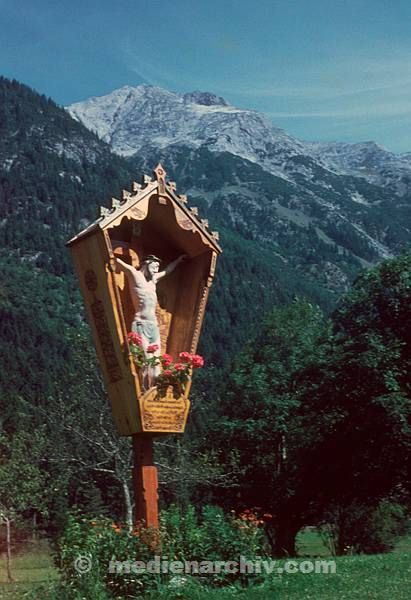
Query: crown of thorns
pixel 151 258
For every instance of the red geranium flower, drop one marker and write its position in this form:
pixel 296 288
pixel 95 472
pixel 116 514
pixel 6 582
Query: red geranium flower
pixel 166 359
pixel 185 357
pixel 152 348
pixel 134 338
pixel 197 361
pixel 167 373
pixel 179 367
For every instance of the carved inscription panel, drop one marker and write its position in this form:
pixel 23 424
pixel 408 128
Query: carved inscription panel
pixel 163 413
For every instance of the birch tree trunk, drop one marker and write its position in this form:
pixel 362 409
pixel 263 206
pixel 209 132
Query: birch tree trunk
pixel 8 558
pixel 128 505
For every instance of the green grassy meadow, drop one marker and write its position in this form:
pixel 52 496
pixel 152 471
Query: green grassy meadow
pixel 362 577
pixel 29 569
pixel 378 577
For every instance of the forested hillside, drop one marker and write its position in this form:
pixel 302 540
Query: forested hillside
pixel 53 172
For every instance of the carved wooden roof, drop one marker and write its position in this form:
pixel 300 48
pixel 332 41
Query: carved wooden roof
pixel 134 203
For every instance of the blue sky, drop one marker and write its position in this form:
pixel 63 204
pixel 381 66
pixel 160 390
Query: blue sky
pixel 321 69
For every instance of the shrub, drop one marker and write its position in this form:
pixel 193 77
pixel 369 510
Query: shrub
pixel 211 535
pixel 358 528
pixel 385 525
pixel 87 547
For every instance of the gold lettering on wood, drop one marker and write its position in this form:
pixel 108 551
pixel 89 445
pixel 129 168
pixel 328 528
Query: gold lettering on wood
pixel 106 341
pixel 90 279
pixel 164 412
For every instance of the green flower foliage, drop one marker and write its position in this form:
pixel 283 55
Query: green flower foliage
pixel 210 535
pixel 90 545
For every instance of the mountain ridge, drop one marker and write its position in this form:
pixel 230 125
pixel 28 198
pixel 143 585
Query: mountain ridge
pixel 198 118
pixel 303 198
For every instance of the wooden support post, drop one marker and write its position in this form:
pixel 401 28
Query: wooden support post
pixel 145 481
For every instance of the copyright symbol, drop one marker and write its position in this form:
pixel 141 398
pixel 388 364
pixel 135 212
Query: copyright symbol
pixel 83 564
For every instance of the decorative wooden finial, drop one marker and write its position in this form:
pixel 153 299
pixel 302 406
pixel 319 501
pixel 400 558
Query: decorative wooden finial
pixel 160 175
pixel 215 235
pixel 103 211
pixel 159 172
pixel 172 185
pixel 147 179
pixel 194 210
pixel 135 186
pixel 183 198
pixel 204 222
pixel 115 203
pixel 125 194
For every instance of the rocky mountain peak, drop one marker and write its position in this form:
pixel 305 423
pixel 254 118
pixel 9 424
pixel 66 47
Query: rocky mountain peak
pixel 204 98
pixel 133 118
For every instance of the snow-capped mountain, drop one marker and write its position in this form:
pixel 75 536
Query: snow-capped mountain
pixel 368 160
pixel 133 118
pixel 258 179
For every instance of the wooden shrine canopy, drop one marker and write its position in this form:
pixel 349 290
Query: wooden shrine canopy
pixel 150 219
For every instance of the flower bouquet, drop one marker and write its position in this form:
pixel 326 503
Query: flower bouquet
pixel 174 374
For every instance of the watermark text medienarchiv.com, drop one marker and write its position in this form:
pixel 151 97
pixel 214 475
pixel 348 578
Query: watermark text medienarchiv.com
pixel 162 565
